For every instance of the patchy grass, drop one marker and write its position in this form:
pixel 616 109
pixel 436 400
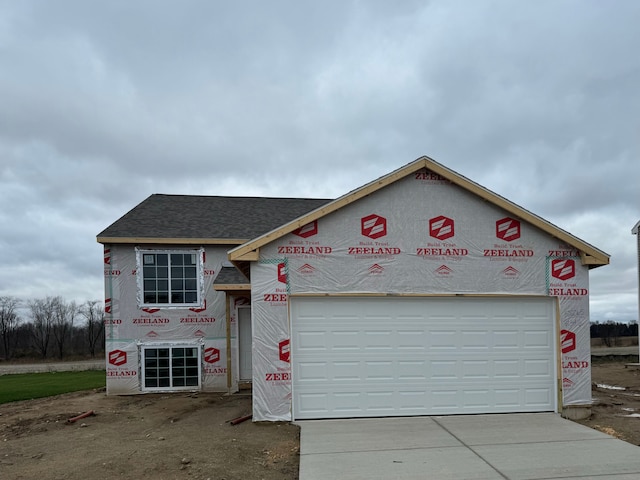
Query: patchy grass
pixel 25 386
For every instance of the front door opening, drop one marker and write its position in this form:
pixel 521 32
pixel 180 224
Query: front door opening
pixel 244 344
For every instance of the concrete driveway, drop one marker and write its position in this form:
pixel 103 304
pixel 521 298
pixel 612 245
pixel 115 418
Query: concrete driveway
pixel 512 447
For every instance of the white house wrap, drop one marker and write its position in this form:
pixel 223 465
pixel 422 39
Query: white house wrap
pixel 421 235
pixel 131 327
pixel 420 293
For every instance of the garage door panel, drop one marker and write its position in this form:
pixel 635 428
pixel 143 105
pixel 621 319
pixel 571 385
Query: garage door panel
pixel 506 339
pixel 409 369
pixel 388 402
pixel 540 397
pixel 537 339
pixel 417 360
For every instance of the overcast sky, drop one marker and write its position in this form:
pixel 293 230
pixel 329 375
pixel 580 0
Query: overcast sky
pixel 103 103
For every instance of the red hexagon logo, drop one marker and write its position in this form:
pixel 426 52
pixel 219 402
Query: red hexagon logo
pixel 373 226
pixel 282 272
pixel 117 357
pixel 567 341
pixel 441 227
pixel 211 355
pixel 308 230
pixel 508 229
pixel 563 269
pixel 284 350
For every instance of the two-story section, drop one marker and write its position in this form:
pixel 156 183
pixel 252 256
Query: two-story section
pixel 177 313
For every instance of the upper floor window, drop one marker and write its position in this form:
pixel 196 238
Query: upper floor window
pixel 170 278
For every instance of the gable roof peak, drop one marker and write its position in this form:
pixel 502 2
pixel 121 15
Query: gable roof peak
pixel 590 255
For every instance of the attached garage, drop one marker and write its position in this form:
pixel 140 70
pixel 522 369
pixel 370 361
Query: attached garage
pixel 419 293
pixel 364 356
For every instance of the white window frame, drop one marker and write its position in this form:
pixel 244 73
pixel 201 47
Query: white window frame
pixel 199 253
pixel 142 352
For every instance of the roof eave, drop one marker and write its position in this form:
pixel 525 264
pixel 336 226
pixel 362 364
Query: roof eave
pixel 171 241
pixel 243 252
pixel 590 255
pixel 232 287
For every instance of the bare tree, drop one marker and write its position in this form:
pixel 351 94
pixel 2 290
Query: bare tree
pixel 93 312
pixel 9 321
pixel 64 315
pixel 42 314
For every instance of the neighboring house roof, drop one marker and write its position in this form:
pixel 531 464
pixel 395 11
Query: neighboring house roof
pixel 196 219
pixel 635 229
pixel 250 251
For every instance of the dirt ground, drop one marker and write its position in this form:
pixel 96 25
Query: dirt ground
pixel 178 436
pixel 616 410
pixel 188 436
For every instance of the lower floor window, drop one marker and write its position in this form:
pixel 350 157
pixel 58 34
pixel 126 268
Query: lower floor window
pixel 170 367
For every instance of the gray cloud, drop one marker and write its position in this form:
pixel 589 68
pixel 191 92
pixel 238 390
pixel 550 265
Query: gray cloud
pixel 104 103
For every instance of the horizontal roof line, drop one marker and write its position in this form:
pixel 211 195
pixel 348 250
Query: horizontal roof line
pixel 167 241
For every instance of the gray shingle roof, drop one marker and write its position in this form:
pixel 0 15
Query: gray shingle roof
pixel 194 216
pixel 230 276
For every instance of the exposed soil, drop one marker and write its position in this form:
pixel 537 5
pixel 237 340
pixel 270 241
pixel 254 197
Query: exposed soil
pixel 188 436
pixel 176 436
pixel 616 410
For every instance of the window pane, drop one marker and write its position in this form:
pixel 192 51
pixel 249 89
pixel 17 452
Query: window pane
pixel 177 297
pixel 149 272
pixel 172 367
pixel 150 298
pixel 180 268
pixel 178 362
pixel 191 362
pixel 192 381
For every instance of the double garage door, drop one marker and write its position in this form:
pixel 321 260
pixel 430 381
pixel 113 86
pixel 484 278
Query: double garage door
pixel 367 356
